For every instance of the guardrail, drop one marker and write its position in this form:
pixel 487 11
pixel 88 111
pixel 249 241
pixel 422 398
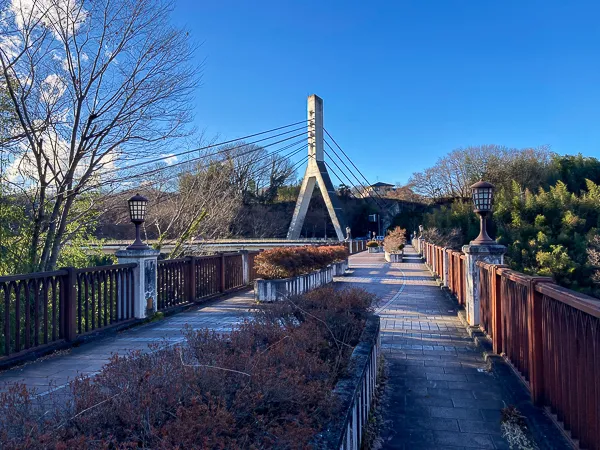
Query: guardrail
pixel 46 308
pixel 186 280
pixel 550 335
pixel 355 246
pixel 41 312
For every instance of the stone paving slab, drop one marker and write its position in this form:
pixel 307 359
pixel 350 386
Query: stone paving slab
pixel 439 393
pixel 52 373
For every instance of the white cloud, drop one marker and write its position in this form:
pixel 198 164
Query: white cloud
pixel 50 13
pixel 169 158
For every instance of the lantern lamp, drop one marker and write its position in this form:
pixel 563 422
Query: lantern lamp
pixel 483 199
pixel 137 214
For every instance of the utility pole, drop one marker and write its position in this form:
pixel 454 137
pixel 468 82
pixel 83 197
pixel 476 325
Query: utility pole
pixel 316 172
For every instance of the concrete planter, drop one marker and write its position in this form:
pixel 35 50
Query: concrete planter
pixel 375 249
pixel 356 391
pixel 394 257
pixel 274 290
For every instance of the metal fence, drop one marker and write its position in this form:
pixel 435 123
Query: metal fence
pixel 551 336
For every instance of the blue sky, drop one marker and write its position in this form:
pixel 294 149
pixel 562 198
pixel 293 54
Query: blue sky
pixel 403 82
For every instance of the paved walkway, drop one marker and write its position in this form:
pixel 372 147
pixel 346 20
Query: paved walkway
pixel 55 371
pixel 439 394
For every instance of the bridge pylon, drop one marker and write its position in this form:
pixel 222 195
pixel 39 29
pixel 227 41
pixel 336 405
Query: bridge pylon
pixel 316 173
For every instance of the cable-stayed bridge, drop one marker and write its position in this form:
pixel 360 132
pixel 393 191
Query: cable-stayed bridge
pixel 307 142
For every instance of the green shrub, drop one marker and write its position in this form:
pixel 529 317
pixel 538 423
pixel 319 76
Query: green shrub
pixel 372 244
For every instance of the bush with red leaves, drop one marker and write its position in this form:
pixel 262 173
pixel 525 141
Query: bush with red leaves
pixel 266 385
pixel 286 262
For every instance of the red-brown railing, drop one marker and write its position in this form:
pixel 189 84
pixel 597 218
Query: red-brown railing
pixel 105 296
pixel 31 310
pixel 550 335
pixel 456 274
pixel 186 280
pixel 171 282
pixel 207 277
pixel 234 270
pixel 42 309
pixel 355 246
pixel 45 308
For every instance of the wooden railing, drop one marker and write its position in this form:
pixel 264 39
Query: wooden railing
pixel 104 296
pixel 186 280
pixel 550 335
pixel 46 308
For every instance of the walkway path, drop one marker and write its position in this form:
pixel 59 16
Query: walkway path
pixel 439 393
pixel 55 371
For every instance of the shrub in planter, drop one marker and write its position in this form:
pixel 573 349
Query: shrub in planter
pixel 372 244
pixel 285 262
pixel 395 240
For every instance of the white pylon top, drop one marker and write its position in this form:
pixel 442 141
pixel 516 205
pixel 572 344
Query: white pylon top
pixel 315 128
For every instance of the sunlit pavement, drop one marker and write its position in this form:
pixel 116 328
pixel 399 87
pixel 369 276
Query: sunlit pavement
pixel 439 394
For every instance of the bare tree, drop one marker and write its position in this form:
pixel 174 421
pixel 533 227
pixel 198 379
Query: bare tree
pixel 196 204
pixel 92 84
pixel 256 173
pixel 453 175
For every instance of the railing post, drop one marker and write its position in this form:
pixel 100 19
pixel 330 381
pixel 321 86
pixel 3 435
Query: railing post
pixel 144 279
pixel 245 267
pixel 191 279
pixel 496 306
pixel 446 266
pixel 70 304
pixel 536 368
pixel 222 261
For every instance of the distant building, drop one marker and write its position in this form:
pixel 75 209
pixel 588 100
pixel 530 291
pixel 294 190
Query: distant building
pixel 378 189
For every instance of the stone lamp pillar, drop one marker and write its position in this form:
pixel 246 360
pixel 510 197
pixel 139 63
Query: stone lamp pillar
pixel 144 279
pixel 144 275
pixel 483 248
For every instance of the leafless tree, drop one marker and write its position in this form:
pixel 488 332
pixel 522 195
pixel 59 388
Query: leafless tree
pixel 197 204
pixel 453 175
pixel 256 173
pixel 94 84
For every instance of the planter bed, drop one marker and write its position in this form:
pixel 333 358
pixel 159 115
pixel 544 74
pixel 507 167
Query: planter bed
pixel 275 290
pixel 394 257
pixel 375 249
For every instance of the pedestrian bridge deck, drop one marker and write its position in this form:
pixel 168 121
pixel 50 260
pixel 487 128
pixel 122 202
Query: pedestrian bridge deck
pixel 439 391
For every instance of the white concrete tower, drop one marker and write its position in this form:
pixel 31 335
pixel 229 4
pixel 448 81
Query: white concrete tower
pixel 316 172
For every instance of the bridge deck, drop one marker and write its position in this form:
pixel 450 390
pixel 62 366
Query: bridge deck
pixel 439 393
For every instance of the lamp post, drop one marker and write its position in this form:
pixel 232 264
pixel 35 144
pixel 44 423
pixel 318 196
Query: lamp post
pixel 420 230
pixel 483 248
pixel 144 259
pixel 483 197
pixel 137 214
